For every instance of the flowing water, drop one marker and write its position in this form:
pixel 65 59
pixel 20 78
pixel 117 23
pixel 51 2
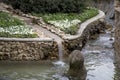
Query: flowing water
pixel 99 58
pixel 60 50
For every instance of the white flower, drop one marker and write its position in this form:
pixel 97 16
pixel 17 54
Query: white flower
pixel 64 23
pixel 1 29
pixel 17 30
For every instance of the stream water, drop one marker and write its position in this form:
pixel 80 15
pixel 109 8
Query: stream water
pixel 99 58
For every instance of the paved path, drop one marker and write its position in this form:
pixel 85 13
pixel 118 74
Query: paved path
pixel 84 24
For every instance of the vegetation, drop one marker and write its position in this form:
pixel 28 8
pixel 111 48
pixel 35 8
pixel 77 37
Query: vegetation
pixel 56 11
pixel 6 34
pixel 48 6
pixel 65 21
pixel 86 14
pixel 13 27
pixel 7 20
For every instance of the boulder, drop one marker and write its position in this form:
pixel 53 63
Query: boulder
pixel 77 69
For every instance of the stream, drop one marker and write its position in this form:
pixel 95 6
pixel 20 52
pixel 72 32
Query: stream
pixel 99 58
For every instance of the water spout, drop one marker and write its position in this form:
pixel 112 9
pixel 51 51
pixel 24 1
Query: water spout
pixel 60 50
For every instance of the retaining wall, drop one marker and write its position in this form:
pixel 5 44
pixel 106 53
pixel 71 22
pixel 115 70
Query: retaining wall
pixel 27 49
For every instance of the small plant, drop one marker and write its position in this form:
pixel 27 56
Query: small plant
pixel 17 31
pixel 68 26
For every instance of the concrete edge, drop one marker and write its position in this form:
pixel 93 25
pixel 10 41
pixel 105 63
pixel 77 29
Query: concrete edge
pixel 27 39
pixel 84 25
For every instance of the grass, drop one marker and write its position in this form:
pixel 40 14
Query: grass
pixel 7 20
pixel 13 27
pixel 86 14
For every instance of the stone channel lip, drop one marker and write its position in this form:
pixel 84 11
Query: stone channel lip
pixel 82 27
pixel 26 39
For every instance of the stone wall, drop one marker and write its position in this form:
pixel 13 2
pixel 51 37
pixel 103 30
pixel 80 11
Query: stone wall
pixel 27 49
pixel 117 32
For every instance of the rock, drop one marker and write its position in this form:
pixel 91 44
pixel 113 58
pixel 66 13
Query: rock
pixel 102 20
pixel 6 56
pixel 111 39
pixel 77 68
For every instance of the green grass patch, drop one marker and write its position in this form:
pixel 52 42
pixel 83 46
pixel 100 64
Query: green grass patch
pixel 57 17
pixel 87 14
pixel 13 27
pixel 7 20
